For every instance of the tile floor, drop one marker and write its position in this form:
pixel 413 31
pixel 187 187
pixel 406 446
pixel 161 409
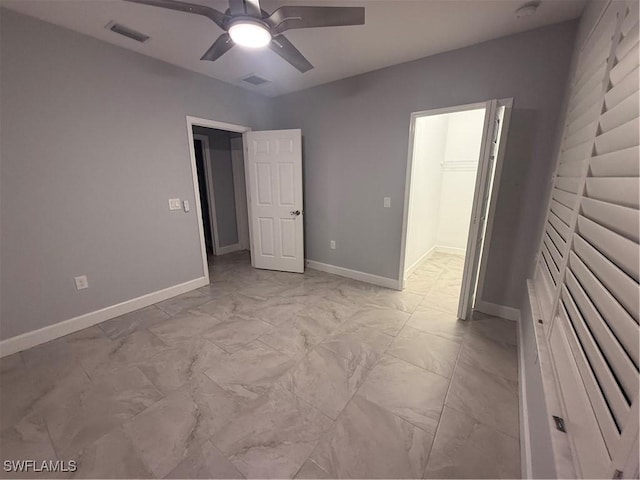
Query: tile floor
pixel 275 375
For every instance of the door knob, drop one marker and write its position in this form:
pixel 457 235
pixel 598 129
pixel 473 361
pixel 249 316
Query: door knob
pixel 295 213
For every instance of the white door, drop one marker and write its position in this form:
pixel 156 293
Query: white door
pixel 494 131
pixel 274 175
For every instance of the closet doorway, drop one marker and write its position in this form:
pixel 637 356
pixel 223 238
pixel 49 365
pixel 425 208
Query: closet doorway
pixel 453 169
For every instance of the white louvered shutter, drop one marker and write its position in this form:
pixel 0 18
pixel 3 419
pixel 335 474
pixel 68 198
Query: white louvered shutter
pixel 595 292
pixel 585 105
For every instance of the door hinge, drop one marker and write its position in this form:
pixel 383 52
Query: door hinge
pixel 617 474
pixel 559 421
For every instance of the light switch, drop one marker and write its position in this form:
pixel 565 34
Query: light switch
pixel 387 202
pixel 174 204
pixel 186 205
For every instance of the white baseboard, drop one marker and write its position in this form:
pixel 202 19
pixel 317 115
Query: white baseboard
pixel 496 310
pixel 417 263
pixel 354 274
pixel 60 329
pixel 228 249
pixel 451 250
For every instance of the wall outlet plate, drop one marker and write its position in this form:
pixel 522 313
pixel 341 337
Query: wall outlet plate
pixel 387 202
pixel 175 204
pixel 332 244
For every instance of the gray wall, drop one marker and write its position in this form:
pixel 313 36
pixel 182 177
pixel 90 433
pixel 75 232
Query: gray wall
pixel 94 143
pixel 355 149
pixel 222 172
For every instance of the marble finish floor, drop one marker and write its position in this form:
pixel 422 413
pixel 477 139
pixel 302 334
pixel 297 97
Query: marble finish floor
pixel 274 375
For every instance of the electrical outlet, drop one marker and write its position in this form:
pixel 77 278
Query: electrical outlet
pixel 81 282
pixel 174 204
pixel 387 202
pixel 333 244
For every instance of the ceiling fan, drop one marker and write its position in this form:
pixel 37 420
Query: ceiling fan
pixel 246 24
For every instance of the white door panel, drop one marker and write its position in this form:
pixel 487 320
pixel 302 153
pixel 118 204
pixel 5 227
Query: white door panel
pixel 274 164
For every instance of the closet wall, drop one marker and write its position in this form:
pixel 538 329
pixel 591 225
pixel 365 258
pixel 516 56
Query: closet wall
pixel 445 161
pixel 459 167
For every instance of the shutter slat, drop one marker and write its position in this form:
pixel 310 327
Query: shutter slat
pixel 595 373
pixel 551 266
pixel 619 190
pixel 584 134
pixel 593 370
pixel 617 282
pixel 622 220
pixel 615 319
pixel 558 241
pixel 624 112
pixel 568 184
pixel 625 66
pixel 595 79
pixel 553 250
pixel 608 345
pixel 590 98
pixel 628 42
pixel 620 163
pixel 561 211
pixel 621 137
pixel 565 198
pixel 588 116
pixel 627 86
pixel 620 250
pixel 571 169
pixel 561 227
pixel 576 154
pixel 631 18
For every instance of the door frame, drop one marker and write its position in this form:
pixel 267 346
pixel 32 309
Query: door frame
pixel 207 123
pixel 213 217
pixel 497 175
pixel 494 193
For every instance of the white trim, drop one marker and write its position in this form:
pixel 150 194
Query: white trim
pixel 450 250
pixel 60 329
pixel 502 311
pixel 354 274
pixel 417 263
pixel 211 196
pixel 229 249
pixel 526 467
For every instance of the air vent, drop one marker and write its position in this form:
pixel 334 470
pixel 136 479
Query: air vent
pixel 127 32
pixel 255 80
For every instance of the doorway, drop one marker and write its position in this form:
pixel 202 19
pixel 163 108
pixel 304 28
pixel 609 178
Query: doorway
pixel 455 160
pixel 217 155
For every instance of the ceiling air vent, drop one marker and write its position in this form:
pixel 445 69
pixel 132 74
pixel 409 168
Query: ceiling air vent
pixel 255 80
pixel 127 32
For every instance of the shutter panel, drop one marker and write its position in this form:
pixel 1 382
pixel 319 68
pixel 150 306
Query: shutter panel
pixel 594 225
pixel 585 106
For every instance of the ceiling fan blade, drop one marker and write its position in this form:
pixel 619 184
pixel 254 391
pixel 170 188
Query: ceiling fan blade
pixel 245 7
pixel 219 18
pixel 291 54
pixel 221 46
pixel 290 17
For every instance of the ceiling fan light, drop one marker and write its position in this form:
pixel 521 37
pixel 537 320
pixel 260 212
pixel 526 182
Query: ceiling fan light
pixel 250 34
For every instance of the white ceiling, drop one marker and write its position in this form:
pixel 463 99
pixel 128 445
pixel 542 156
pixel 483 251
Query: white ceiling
pixel 395 31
